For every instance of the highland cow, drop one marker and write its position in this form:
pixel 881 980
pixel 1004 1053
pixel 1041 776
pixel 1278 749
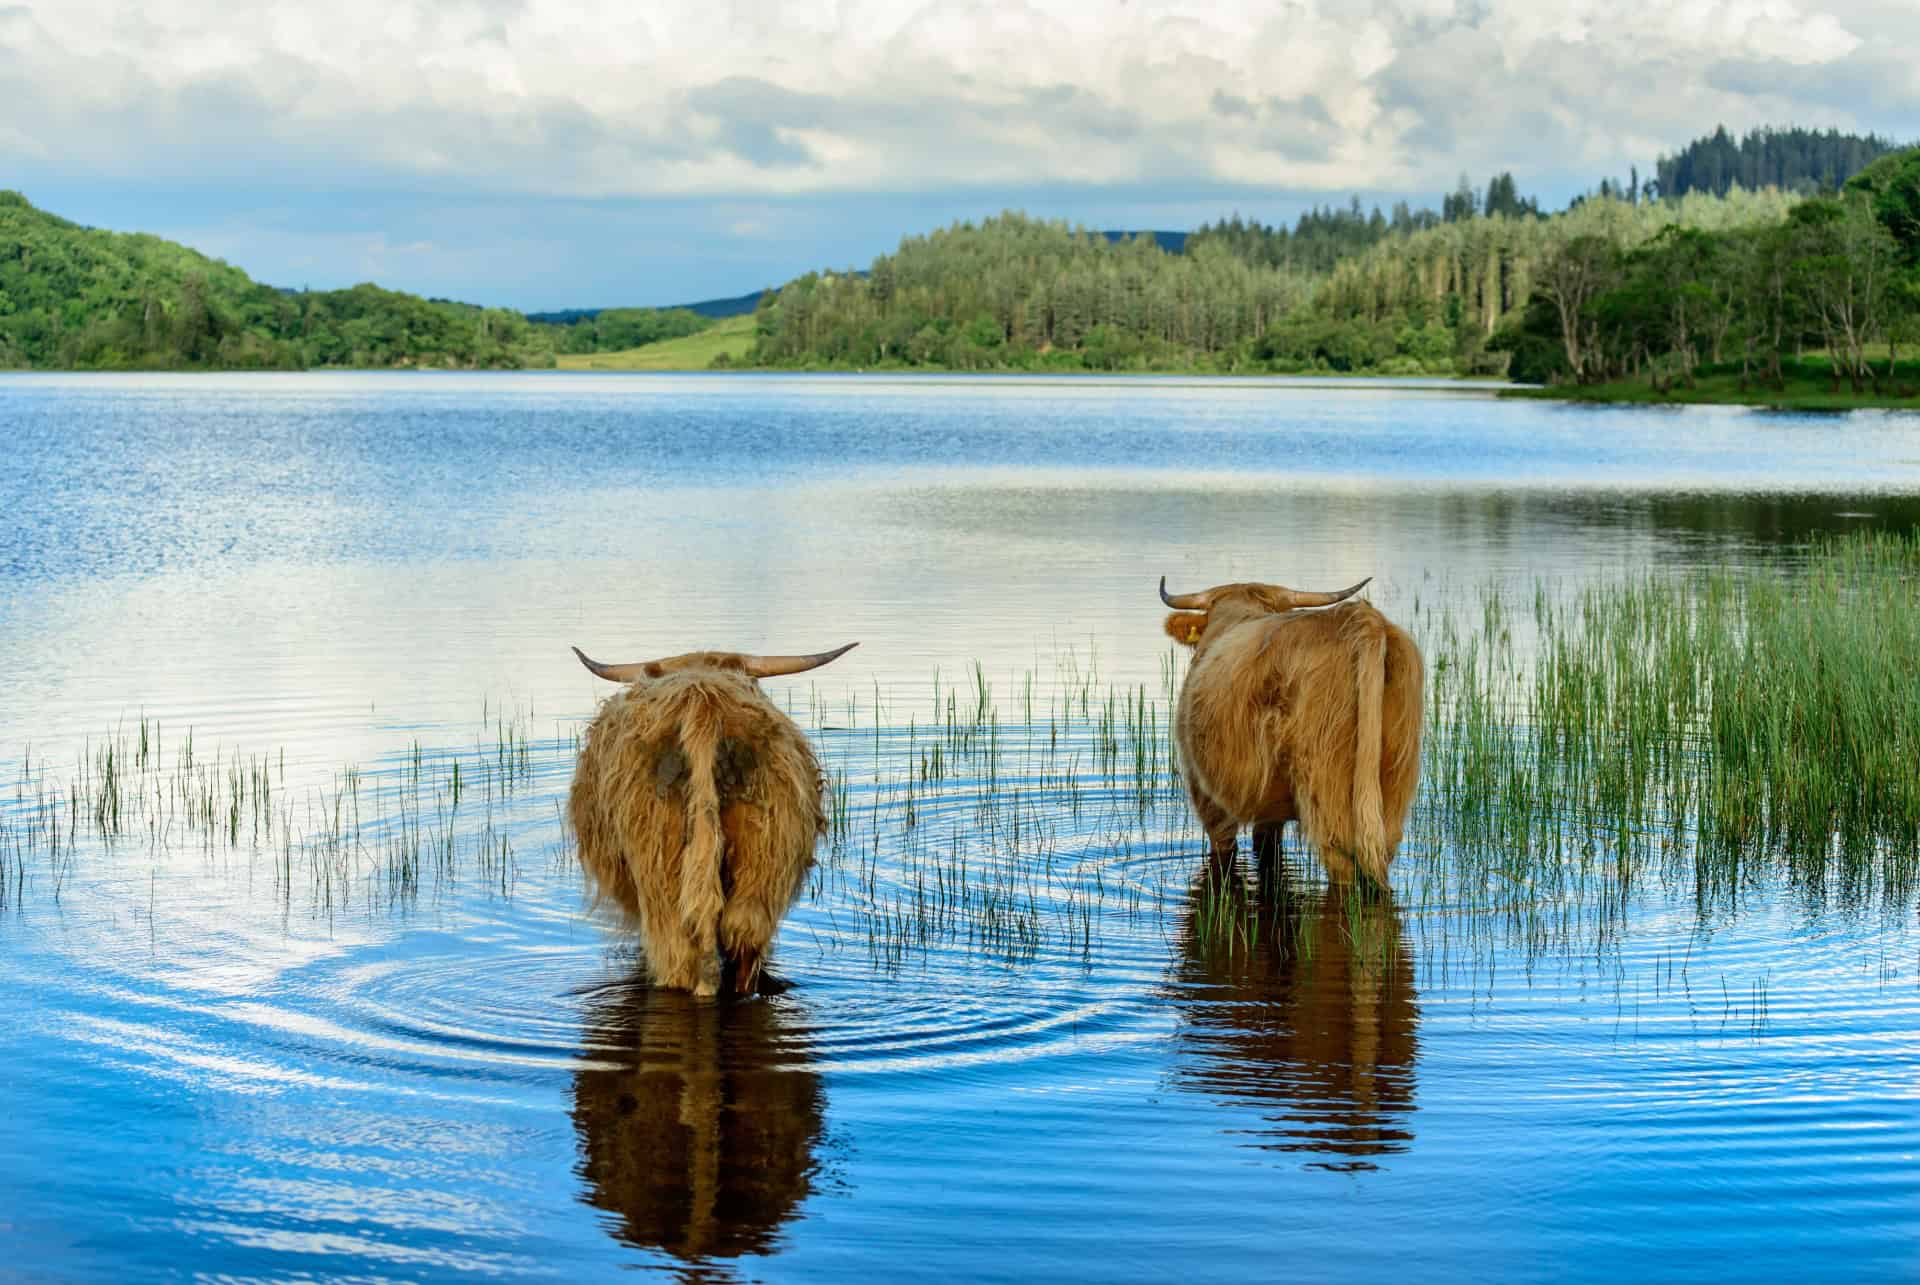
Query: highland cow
pixel 696 805
pixel 1294 714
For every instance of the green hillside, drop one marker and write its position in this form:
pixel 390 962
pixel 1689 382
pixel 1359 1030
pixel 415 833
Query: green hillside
pixel 74 297
pixel 730 339
pixel 79 297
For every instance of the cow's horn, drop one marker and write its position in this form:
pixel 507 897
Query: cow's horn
pixel 774 666
pixel 1327 599
pixel 612 673
pixel 1184 601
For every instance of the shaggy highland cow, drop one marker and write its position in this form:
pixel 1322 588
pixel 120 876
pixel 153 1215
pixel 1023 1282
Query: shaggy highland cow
pixel 1289 714
pixel 696 805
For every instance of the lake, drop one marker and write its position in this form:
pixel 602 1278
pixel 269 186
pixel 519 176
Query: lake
pixel 289 997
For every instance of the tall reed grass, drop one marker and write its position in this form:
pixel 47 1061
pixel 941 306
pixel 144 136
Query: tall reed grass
pixel 1706 733
pixel 1728 725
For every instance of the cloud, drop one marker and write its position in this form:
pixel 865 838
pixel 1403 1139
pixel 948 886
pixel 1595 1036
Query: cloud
pixel 598 99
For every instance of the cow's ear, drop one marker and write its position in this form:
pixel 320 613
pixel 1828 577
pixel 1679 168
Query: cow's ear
pixel 1186 626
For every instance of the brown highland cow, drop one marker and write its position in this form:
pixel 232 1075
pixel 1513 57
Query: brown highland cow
pixel 1290 714
pixel 696 805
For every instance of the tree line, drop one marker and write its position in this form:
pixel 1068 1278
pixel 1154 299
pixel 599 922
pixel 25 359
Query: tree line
pixel 1836 276
pixel 1424 296
pixel 80 298
pixel 1619 284
pixel 1793 159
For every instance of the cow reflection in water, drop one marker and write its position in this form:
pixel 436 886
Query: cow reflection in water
pixel 697 1130
pixel 1300 1004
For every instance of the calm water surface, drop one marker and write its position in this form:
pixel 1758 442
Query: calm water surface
pixel 245 1037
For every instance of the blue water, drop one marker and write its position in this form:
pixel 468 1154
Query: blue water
pixel 238 1044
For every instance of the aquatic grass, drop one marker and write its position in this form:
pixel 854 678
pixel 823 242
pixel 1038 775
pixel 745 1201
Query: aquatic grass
pixel 1708 734
pixel 1720 726
pixel 360 835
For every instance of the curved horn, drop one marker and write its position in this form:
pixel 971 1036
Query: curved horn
pixel 774 666
pixel 1301 599
pixel 1185 601
pixel 613 673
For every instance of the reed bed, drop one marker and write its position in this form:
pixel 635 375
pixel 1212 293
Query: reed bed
pixel 1708 734
pixel 1723 727
pixel 364 833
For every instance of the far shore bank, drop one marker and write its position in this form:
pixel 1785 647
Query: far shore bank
pixel 1801 391
pixel 1803 386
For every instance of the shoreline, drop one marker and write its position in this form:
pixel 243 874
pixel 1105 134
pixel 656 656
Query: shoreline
pixel 1801 396
pixel 1635 393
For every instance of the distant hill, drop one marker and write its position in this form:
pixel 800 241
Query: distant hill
pixel 1171 242
pixel 735 306
pixel 728 341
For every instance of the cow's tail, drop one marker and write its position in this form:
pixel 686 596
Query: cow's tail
pixel 1370 841
pixel 702 894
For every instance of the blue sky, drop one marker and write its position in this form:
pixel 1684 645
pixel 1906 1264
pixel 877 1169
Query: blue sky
pixel 542 154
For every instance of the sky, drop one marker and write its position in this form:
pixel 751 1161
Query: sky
pixel 547 154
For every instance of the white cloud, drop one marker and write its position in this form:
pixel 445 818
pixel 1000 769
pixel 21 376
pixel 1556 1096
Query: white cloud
pixel 598 98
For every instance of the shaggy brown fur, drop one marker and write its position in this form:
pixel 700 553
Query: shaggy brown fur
pixel 696 804
pixel 1312 716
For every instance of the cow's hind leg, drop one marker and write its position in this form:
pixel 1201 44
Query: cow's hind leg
pixel 1268 857
pixel 672 958
pixel 747 926
pixel 765 871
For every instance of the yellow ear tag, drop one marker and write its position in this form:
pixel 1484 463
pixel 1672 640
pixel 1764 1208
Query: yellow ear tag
pixel 1193 633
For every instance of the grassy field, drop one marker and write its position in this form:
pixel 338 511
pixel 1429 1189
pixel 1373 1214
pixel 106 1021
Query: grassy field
pixel 732 336
pixel 1809 386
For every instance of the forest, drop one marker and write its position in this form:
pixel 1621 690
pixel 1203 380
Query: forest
pixel 1735 257
pixel 1019 293
pixel 73 297
pixel 1836 280
pixel 1793 160
pixel 1621 285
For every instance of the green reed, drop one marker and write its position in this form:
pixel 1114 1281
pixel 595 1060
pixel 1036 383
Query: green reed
pixel 354 836
pixel 1722 726
pixel 1706 732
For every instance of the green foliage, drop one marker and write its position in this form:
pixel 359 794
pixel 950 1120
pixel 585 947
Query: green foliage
pixel 1340 292
pixel 1892 185
pixel 79 298
pixel 618 329
pixel 1793 160
pixel 717 346
pixel 1021 293
pixel 1828 277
